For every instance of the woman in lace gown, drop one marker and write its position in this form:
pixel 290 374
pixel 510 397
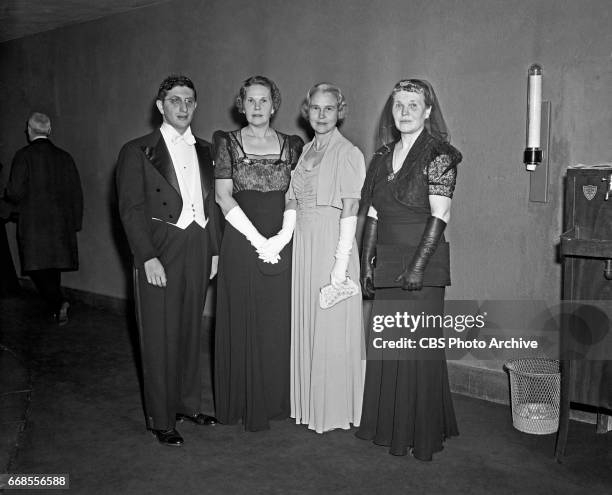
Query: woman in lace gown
pixel 327 366
pixel 252 170
pixel 407 403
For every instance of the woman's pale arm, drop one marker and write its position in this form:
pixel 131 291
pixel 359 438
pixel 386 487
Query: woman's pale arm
pixel 224 190
pixel 350 207
pixel 440 207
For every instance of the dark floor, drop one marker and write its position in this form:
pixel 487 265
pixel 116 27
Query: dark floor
pixel 70 403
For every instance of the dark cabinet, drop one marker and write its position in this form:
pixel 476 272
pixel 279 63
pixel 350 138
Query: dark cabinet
pixel 586 249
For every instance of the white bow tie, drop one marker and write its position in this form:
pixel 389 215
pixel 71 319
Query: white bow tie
pixel 187 138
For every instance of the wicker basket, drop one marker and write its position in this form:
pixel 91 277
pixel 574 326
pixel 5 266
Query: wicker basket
pixel 535 390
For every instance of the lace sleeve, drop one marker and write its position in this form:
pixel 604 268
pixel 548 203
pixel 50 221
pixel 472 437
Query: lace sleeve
pixel 442 176
pixel 223 159
pixel 295 150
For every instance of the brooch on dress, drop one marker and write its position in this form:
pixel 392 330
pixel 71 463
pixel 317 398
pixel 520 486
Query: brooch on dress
pixel 391 176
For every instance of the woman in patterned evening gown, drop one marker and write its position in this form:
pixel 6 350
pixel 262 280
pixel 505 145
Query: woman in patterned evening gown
pixel 327 366
pixel 252 169
pixel 407 403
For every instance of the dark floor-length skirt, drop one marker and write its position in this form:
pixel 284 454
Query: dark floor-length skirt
pixel 407 403
pixel 253 329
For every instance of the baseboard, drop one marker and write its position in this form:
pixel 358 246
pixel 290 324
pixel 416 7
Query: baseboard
pixel 494 386
pixel 482 383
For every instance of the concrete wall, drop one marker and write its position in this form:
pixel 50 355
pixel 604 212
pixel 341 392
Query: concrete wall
pixel 98 80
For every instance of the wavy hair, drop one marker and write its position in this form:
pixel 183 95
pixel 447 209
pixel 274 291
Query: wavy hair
pixel 324 87
pixel 261 81
pixel 172 81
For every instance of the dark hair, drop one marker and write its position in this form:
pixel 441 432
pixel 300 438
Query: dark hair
pixel 261 81
pixel 324 87
pixel 171 82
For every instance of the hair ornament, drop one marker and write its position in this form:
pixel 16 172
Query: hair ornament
pixel 409 86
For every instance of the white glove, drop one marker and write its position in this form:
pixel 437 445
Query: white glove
pixel 348 226
pixel 274 259
pixel 275 244
pixel 242 224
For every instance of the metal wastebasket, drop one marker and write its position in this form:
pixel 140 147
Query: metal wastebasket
pixel 535 387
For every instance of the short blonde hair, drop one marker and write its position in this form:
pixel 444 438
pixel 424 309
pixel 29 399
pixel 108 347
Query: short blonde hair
pixel 324 87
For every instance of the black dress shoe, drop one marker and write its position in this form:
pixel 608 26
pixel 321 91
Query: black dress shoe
pixel 171 438
pixel 198 419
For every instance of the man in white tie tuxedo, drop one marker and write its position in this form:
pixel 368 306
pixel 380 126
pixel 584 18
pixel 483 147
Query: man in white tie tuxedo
pixel 167 205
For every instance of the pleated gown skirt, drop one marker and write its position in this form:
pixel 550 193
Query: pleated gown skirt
pixel 327 345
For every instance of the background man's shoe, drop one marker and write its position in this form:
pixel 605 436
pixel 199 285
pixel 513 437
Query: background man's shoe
pixel 171 437
pixel 198 419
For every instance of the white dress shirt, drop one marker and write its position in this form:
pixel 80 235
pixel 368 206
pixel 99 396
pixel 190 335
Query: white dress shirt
pixel 185 162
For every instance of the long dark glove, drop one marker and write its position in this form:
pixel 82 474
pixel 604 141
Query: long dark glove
pixel 367 253
pixel 412 277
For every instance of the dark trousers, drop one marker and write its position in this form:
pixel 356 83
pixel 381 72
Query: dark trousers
pixel 48 283
pixel 169 321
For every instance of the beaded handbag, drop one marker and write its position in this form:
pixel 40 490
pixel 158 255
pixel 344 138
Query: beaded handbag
pixel 328 295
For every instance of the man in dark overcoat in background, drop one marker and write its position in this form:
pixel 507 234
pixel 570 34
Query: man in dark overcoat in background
pixel 166 195
pixel 45 188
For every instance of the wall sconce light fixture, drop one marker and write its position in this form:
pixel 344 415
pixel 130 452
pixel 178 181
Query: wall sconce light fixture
pixel 532 156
